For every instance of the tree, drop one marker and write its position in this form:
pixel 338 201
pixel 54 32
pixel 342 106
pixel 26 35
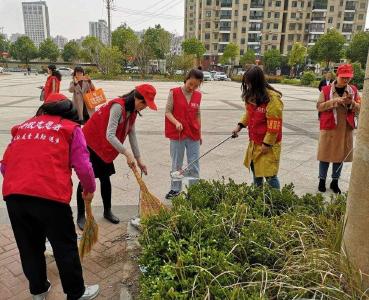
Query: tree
pixel 248 58
pixel 49 50
pixel 272 60
pixel 358 48
pixel 193 46
pixel 126 40
pixel 297 55
pixel 328 47
pixel 91 47
pixel 158 40
pixel 109 60
pixel 23 49
pixel 184 62
pixel 230 53
pixel 4 44
pixel 71 51
pixel 355 237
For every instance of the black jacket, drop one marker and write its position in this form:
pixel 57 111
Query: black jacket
pixel 323 83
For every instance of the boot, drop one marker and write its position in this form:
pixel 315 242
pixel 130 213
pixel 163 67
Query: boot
pixel 334 186
pixel 109 216
pixel 81 220
pixel 321 187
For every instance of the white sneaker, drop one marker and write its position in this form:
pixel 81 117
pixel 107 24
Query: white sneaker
pixel 43 295
pixel 91 292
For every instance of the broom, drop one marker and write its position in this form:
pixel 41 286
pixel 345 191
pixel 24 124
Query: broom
pixel 90 232
pixel 149 204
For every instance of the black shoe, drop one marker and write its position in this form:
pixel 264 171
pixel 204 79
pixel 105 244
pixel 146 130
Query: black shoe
pixel 334 186
pixel 321 187
pixel 81 220
pixel 110 217
pixel 171 194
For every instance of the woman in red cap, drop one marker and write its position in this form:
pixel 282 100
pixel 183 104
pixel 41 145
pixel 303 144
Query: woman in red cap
pixel 105 134
pixel 37 187
pixel 337 106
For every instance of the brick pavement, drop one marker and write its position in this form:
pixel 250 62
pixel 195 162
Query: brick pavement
pixel 110 264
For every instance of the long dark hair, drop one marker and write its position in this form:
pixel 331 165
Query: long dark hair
pixel 254 86
pixel 196 74
pixel 78 69
pixel 130 99
pixel 55 72
pixel 64 109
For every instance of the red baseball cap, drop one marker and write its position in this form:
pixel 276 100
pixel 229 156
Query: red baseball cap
pixel 149 93
pixel 55 97
pixel 345 71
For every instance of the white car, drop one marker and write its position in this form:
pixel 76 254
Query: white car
pixel 220 76
pixel 207 76
pixel 64 71
pixel 1 70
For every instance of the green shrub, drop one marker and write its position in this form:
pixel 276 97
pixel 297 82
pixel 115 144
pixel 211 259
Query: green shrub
pixel 234 241
pixel 291 81
pixel 308 78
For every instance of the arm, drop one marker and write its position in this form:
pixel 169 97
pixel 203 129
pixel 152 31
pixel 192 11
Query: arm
pixel 80 161
pixel 323 105
pixel 274 111
pixel 72 87
pixel 241 124
pixel 53 86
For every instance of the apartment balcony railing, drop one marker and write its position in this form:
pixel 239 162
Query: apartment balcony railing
pixel 350 7
pixel 257 4
pixel 225 28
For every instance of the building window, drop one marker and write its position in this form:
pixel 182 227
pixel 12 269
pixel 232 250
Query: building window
pixel 277 15
pixel 207 47
pixel 292 26
pixel 269 14
pixel 278 3
pixel 235 24
pixel 243 30
pixel 215 47
pixel 242 52
pixel 275 37
pixel 338 25
pixel 362 5
pixel 207 36
pixel 208 2
pixel 243 41
pixel 244 18
pixel 331 8
pixel 207 25
pixel 294 3
pixel 361 17
pixel 276 25
pixel 234 36
pixel 359 28
pixel 289 48
pixel 245 7
pixel 208 13
pixel 236 12
pixel 293 15
pixel 330 20
pixel 290 37
pixel 268 26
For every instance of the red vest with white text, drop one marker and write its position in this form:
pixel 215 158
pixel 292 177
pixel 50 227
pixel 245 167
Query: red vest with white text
pixel 326 118
pixel 96 126
pixel 186 113
pixel 38 159
pixel 48 88
pixel 258 124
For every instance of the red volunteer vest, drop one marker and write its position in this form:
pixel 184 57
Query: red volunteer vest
pixel 49 86
pixel 186 113
pixel 326 118
pixel 258 124
pixel 96 126
pixel 37 160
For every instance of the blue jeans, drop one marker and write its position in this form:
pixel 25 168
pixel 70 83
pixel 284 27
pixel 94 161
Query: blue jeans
pixel 323 170
pixel 177 150
pixel 273 181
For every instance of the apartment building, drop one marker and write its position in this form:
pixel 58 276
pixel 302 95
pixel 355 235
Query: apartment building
pixel 36 21
pixel 269 24
pixel 100 30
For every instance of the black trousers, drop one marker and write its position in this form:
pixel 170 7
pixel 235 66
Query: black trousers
pixel 33 219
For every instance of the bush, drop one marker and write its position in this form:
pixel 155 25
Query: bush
pixel 291 81
pixel 274 79
pixel 234 241
pixel 308 78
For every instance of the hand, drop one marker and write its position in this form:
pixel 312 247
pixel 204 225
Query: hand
pixel 200 141
pixel 75 79
pixel 142 166
pixel 179 126
pixel 87 77
pixel 264 149
pixel 130 160
pixel 347 100
pixel 87 196
pixel 236 131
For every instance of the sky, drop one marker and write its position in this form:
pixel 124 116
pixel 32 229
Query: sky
pixel 70 18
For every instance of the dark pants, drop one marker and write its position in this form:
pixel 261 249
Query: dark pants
pixel 33 219
pixel 105 187
pixel 323 170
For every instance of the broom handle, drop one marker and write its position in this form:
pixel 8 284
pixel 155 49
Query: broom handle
pixel 88 209
pixel 139 179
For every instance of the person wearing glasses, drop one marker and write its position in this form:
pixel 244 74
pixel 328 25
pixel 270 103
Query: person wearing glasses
pixel 337 105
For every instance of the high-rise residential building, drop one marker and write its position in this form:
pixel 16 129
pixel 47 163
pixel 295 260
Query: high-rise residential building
pixel 100 30
pixel 14 36
pixel 269 24
pixel 36 21
pixel 176 44
pixel 60 41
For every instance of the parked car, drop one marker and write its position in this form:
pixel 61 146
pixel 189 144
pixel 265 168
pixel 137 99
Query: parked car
pixel 1 70
pixel 64 71
pixel 221 76
pixel 179 72
pixel 212 73
pixel 207 76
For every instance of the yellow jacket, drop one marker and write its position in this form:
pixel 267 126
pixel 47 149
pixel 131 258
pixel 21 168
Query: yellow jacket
pixel 266 165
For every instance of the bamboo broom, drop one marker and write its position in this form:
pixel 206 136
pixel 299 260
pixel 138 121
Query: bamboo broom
pixel 149 204
pixel 90 232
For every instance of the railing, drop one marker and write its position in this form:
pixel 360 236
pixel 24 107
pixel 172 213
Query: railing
pixel 350 7
pixel 225 28
pixel 257 4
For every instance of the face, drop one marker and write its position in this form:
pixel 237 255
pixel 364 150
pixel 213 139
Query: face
pixel 328 76
pixel 192 84
pixel 79 74
pixel 140 104
pixel 343 81
pixel 49 71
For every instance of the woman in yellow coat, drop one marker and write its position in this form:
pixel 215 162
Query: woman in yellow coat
pixel 263 118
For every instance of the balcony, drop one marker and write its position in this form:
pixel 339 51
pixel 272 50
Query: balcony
pixel 350 5
pixel 225 17
pixel 226 3
pixel 256 15
pixel 318 19
pixel 320 5
pixel 257 4
pixel 225 28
